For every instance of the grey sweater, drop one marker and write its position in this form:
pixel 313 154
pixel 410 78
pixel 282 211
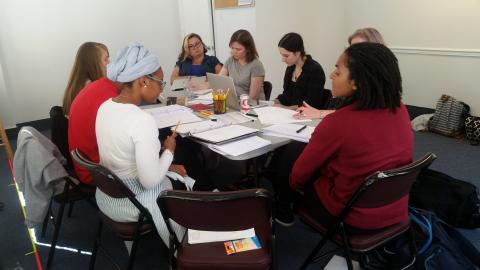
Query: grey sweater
pixel 39 172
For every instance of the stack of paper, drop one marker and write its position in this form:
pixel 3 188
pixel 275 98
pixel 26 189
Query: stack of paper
pixel 196 236
pixel 277 115
pixel 167 116
pixel 206 98
pixel 240 147
pixel 290 131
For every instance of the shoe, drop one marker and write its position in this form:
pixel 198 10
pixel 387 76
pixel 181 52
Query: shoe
pixel 285 217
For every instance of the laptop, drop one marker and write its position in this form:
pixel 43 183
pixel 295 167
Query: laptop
pixel 225 82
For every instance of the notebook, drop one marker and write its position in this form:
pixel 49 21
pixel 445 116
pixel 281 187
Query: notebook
pixel 225 134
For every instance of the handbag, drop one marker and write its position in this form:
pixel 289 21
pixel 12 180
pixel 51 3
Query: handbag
pixel 472 129
pixel 449 117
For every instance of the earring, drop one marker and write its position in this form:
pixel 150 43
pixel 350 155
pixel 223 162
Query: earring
pixel 144 85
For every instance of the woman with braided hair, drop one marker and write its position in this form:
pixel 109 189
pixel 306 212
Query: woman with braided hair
pixel 370 132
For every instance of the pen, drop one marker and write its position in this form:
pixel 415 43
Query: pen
pixel 251 114
pixel 302 128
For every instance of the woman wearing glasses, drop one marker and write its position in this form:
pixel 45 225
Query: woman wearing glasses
pixel 193 60
pixel 128 142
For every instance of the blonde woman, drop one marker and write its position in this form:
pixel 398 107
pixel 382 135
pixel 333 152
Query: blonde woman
pixel 193 60
pixel 90 65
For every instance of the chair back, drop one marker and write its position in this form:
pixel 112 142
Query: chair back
pixel 385 187
pixel 107 181
pixel 217 211
pixel 267 89
pixel 59 133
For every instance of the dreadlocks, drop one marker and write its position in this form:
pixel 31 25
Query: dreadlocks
pixel 374 68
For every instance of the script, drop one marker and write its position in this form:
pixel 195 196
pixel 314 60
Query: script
pixel 277 115
pixel 167 116
pixel 290 131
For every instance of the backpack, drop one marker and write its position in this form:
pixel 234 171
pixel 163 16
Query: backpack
pixel 454 201
pixel 449 117
pixel 441 246
pixel 472 129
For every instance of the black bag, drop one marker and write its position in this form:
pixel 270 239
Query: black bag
pixel 449 117
pixel 455 201
pixel 441 246
pixel 472 129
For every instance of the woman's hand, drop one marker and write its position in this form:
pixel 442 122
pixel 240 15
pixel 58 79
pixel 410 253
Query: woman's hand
pixel 309 112
pixel 180 169
pixel 170 143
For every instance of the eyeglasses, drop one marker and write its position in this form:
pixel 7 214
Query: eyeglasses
pixel 160 81
pixel 195 46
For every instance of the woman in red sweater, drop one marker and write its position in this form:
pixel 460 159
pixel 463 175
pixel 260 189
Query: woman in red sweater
pixel 370 132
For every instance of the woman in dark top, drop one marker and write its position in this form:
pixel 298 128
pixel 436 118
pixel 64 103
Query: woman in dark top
pixel 304 77
pixel 193 60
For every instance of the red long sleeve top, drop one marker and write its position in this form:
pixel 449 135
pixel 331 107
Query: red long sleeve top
pixel 81 122
pixel 344 149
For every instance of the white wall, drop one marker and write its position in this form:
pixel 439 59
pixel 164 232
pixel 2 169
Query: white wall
pixel 229 20
pixel 39 40
pixel 321 24
pixel 195 17
pixel 419 31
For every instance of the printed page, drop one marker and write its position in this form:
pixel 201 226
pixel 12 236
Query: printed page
pixel 241 146
pixel 277 115
pixel 196 236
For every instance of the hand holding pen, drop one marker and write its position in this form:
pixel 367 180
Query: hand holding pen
pixel 170 142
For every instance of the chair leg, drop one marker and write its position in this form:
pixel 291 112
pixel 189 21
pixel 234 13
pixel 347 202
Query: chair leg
pixel 70 209
pixel 46 219
pixel 311 256
pixel 95 246
pixel 346 247
pixel 55 236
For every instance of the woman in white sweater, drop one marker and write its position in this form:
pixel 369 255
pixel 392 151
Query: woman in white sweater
pixel 128 142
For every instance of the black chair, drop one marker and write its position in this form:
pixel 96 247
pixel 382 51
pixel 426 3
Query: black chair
pixel 111 185
pixel 378 189
pixel 219 211
pixel 267 89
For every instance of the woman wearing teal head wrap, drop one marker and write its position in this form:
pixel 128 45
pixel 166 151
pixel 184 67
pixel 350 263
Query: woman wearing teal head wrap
pixel 128 142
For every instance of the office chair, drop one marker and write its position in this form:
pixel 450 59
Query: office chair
pixel 219 211
pixel 267 89
pixel 378 189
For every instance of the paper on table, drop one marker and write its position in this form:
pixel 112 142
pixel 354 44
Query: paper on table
pixel 242 146
pixel 203 92
pixel 196 236
pixel 277 115
pixel 167 116
pixel 289 131
pixel 225 134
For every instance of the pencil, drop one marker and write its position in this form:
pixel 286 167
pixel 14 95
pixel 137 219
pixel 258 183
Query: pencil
pixel 175 129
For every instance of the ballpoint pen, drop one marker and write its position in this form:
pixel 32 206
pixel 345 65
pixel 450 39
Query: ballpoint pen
pixel 302 128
